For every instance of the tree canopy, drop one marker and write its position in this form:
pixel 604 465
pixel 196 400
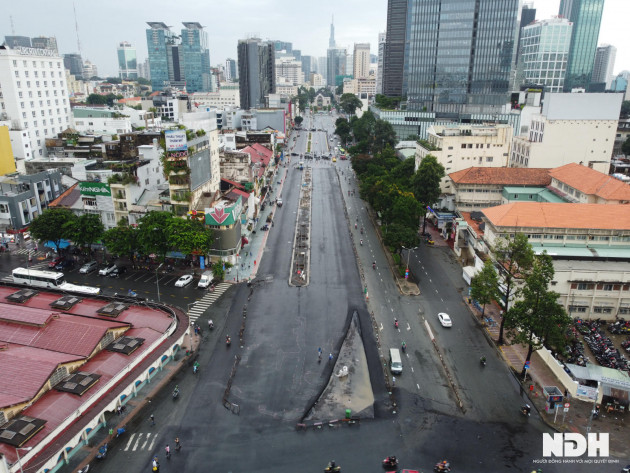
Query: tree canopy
pixel 427 180
pixel 625 109
pixel 298 120
pixel 484 287
pixel 52 225
pixel 625 147
pixel 349 103
pixel 85 230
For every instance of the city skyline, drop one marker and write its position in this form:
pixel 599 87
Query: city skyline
pixel 355 22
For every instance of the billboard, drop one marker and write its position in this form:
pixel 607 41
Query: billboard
pixel 175 140
pixel 95 188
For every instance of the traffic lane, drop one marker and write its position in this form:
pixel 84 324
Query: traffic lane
pixel 487 391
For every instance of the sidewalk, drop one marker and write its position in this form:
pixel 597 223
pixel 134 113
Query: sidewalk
pixel 539 375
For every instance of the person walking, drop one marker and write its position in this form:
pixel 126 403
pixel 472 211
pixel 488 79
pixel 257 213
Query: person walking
pixel 152 419
pixel 178 446
pixel 167 450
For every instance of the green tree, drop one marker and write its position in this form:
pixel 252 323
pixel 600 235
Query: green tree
pixel 426 182
pixel 143 81
pixel 85 230
pixel 122 240
pixel 349 103
pixel 339 89
pixel 96 99
pixel 343 130
pixel 298 120
pixel 189 236
pixel 52 225
pixel 537 319
pixel 153 233
pixel 625 147
pixel 398 235
pixel 625 109
pixel 384 136
pixel 113 80
pixel 515 257
pixel 484 287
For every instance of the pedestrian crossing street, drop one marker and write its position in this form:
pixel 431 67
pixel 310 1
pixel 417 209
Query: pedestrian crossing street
pixel 140 441
pixel 199 307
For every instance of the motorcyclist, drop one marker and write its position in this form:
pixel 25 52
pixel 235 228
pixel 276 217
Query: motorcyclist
pixel 482 360
pixel 526 409
pixel 373 264
pixel 210 324
pixel 404 348
pixel 361 242
pixel 391 460
pixel 196 367
pixel 396 323
pixel 228 340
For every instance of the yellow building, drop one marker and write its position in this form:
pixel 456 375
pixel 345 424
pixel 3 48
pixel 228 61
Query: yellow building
pixel 7 160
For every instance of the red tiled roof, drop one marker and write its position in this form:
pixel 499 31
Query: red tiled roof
pixel 502 176
pixel 559 215
pixel 591 182
pixel 68 198
pixel 26 315
pixel 233 183
pixel 472 223
pixel 239 192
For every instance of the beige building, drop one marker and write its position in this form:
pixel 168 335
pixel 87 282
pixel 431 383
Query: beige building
pixel 226 96
pixel 361 58
pixel 289 90
pixel 360 87
pixel 459 147
pixel 572 128
pixel 290 70
pixel 580 184
pixel 317 80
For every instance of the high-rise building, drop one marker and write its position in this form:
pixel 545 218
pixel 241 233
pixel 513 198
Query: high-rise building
pixel 544 52
pixel 283 46
pixel 164 60
pixel 331 40
pixel 460 55
pixel 361 60
pixel 322 66
pixel 89 70
pixel 394 57
pixel 32 119
pixel 306 66
pixel 74 63
pixel 144 70
pixel 127 61
pixel 586 16
pixel 335 65
pixel 349 65
pixel 528 15
pixel 604 63
pixel 15 42
pixel 231 73
pixel 381 58
pixel 290 70
pixel 256 72
pixel 297 54
pixel 45 42
pixel 196 57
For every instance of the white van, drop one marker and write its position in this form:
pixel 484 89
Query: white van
pixel 206 279
pixel 395 363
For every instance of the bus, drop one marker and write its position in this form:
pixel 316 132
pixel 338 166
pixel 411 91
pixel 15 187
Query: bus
pixel 34 277
pixel 51 279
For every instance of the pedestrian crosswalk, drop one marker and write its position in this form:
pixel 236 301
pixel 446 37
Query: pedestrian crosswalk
pixel 140 441
pixel 206 301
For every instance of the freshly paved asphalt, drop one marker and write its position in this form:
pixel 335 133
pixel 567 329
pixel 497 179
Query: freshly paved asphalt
pixel 278 376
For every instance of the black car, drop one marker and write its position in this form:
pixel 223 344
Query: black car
pixel 65 265
pixel 118 271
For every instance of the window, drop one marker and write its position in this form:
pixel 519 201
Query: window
pixel 602 310
pixel 577 308
pixel 608 287
pixel 582 286
pixel 489 159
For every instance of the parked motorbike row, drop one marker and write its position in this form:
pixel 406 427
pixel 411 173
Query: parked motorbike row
pixel 626 345
pixel 620 327
pixel 605 352
pixel 574 352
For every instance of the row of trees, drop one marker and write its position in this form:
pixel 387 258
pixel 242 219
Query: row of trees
pixel 156 233
pixel 370 134
pixel 536 318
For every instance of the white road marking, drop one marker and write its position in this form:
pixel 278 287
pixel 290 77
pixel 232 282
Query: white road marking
pixel 137 442
pixel 129 442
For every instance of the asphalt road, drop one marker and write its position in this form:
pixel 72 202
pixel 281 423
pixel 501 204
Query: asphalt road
pixel 278 376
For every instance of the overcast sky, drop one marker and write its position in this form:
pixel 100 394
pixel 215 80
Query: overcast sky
pixel 306 24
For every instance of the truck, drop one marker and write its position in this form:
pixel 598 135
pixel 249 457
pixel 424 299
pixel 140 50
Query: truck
pixel 205 280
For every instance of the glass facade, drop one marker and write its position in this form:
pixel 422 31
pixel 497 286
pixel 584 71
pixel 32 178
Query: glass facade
pixel 196 58
pixel 544 53
pixel 586 16
pixel 158 37
pixel 256 72
pixel 394 48
pixel 460 54
pixel 127 62
pixel 336 65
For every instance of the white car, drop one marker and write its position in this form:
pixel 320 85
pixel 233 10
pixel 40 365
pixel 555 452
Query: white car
pixel 445 320
pixel 105 270
pixel 185 280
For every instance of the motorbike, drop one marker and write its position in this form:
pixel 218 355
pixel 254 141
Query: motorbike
pixel 482 360
pixel 228 341
pixel 442 466
pixel 85 469
pixel 102 452
pixel 404 347
pixel 120 431
pixel 210 325
pixel 175 393
pixel 395 323
pixel 526 410
pixel 195 367
pixel 374 265
pixel 361 230
pixel 361 242
pixel 390 462
pixel 332 468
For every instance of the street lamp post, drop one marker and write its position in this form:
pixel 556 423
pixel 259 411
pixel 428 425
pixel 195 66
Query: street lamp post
pixel 17 451
pixel 157 281
pixel 409 250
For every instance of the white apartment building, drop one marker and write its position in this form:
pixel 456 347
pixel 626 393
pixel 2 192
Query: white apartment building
pixel 77 88
pixel 286 89
pixel 572 128
pixel 289 69
pixel 34 97
pixel 101 121
pixel 226 96
pixel 361 58
pixel 360 87
pixel 317 80
pixel 458 147
pixel 381 58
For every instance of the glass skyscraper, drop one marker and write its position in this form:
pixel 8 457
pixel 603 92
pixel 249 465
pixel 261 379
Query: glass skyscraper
pixel 158 37
pixel 127 61
pixel 256 72
pixel 394 48
pixel 459 55
pixel 196 58
pixel 586 16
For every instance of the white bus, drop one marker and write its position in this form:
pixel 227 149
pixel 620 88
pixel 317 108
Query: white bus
pixel 34 277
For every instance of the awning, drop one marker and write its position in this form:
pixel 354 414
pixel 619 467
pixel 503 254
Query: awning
pixel 62 244
pixel 607 376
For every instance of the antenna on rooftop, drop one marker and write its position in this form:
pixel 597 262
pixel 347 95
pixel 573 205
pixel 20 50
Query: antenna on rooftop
pixel 76 27
pixel 12 27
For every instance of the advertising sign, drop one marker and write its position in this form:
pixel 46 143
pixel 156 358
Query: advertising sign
pixel 95 188
pixel 175 140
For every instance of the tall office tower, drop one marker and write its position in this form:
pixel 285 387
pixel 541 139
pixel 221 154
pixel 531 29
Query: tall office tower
pixel 349 65
pixel 361 59
pixel 322 67
pixel 604 63
pixel 45 42
pixel 47 111
pixel 544 52
pixel 528 15
pixel 230 70
pixel 290 70
pixel 144 70
pixel 335 65
pixel 196 57
pixel 394 57
pixel 381 58
pixel 89 70
pixel 331 40
pixel 283 46
pixel 297 54
pixel 127 61
pixel 163 55
pixel 256 72
pixel 15 42
pixel 586 16
pixel 306 66
pixel 460 55
pixel 74 64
